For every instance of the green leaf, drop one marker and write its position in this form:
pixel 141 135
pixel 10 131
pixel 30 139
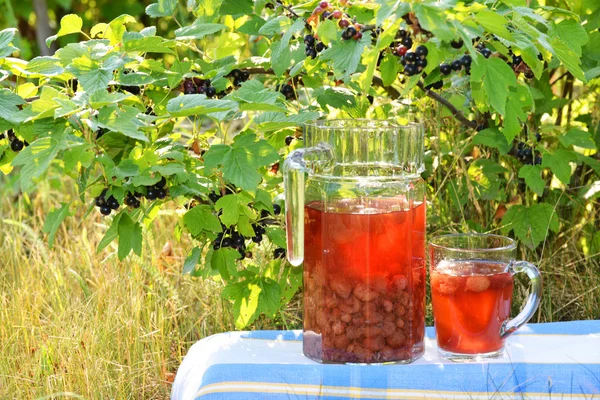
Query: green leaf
pixel 53 221
pixel 568 57
pixel 531 174
pixel 531 224
pixel 70 23
pixel 277 236
pixel 389 68
pixel 224 261
pixel 559 164
pixel 518 106
pixel 572 33
pixel 252 26
pixel 103 98
pixel 111 234
pixel 130 237
pixel 201 219
pixel 164 8
pixel 151 44
pixel 579 138
pixel 90 75
pixel 252 297
pixel 494 138
pixel 281 55
pixel 498 77
pixel 197 31
pixel 9 103
pixel 346 55
pixel 272 121
pixel 434 19
pixel 192 260
pixel 494 23
pixel 275 25
pixel 245 227
pixel 230 206
pixel 47 66
pixel 336 98
pixel 241 160
pixel 236 7
pixel 123 119
pixel 124 169
pixel 327 31
pixel 35 160
pixel 6 37
pixel 262 201
pixel 198 104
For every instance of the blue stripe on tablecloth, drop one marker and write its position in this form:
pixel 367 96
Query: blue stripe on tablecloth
pixel 557 328
pixel 459 379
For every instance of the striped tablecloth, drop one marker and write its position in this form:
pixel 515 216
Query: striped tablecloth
pixel 554 360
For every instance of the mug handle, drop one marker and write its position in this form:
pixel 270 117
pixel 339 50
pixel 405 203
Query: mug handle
pixel 533 301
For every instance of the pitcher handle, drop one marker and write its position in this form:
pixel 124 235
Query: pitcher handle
pixel 533 301
pixel 298 163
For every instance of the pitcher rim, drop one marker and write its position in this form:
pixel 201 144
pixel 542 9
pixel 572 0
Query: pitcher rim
pixel 322 124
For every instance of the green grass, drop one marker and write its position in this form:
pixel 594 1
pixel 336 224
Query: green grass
pixel 84 324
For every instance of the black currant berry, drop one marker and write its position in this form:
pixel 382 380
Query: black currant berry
pixel 151 194
pixel 279 253
pixel 238 241
pixel 100 132
pixel 401 34
pixel 457 43
pixel 456 65
pixel 410 57
pixel 276 209
pixel 410 70
pixel 529 74
pixel 130 200
pixel 16 145
pixel 211 91
pixel 309 40
pixel 217 244
pixel 517 60
pixel 349 33
pixel 466 60
pixel 445 69
pixel 320 47
pixel 438 85
pixel 105 210
pixel 226 242
pixel 259 229
pixel 407 41
pixel 214 197
pixel 244 76
pixel 248 254
pixel 421 63
pixel 538 160
pixel 257 238
pixel 161 193
pixel 538 137
pixel 189 87
pixel 288 140
pixel 112 203
pixel 264 214
pixel 100 201
pixel 162 183
pixel 344 23
pixel 486 53
pixel 421 51
pixel 310 52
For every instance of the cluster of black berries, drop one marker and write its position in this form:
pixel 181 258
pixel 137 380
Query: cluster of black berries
pixel 233 239
pixel 133 200
pixel 517 64
pixel 527 156
pixel 403 42
pixel 414 61
pixel 16 144
pixel 312 46
pixel 457 65
pixel 106 205
pixel 199 86
pixel 483 50
pixel 287 90
pixel 158 191
pixel 238 76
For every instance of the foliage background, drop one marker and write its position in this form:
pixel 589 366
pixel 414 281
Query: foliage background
pixel 129 320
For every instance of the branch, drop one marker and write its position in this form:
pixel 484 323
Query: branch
pixel 455 112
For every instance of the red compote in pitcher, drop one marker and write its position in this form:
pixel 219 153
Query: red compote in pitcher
pixel 355 207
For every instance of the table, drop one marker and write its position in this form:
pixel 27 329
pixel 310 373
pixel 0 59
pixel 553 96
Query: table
pixel 553 360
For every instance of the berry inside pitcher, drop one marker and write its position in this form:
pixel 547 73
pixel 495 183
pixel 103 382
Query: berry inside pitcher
pixel 364 281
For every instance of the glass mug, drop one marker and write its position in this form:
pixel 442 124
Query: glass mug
pixel 355 213
pixel 471 291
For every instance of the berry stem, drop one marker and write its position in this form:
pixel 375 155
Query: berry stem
pixel 455 112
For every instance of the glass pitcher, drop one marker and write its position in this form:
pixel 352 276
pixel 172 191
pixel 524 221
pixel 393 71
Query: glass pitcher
pixel 355 212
